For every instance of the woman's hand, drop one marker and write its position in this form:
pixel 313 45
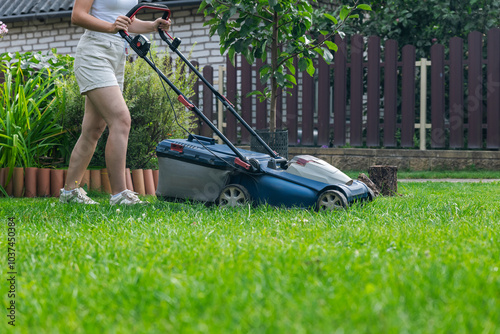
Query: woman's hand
pixel 162 24
pixel 122 23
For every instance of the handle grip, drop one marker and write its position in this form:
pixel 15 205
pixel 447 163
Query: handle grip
pixel 131 13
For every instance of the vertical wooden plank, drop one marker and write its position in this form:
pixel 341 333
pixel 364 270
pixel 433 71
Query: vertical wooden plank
pixel 456 93
pixel 438 132
pixel 323 102
pixel 261 107
pixel 408 96
pixel 390 92
pixel 196 100
pixel 292 110
pixel 208 105
pixel 493 87
pixel 356 127
pixel 475 96
pixel 231 84
pixel 308 98
pixel 373 93
pixel 246 102
pixel 340 92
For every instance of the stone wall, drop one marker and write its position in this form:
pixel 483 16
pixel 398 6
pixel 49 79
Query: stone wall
pixel 361 159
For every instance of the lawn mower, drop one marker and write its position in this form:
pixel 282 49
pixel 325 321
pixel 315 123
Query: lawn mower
pixel 199 169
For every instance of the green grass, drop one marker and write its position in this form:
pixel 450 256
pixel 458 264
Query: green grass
pixel 424 262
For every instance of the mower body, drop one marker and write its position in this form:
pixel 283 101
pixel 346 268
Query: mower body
pixel 199 170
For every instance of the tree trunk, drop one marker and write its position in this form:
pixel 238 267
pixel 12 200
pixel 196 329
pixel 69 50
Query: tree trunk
pixel 274 83
pixel 385 178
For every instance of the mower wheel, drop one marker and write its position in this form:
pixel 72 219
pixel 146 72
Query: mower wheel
pixel 331 200
pixel 233 195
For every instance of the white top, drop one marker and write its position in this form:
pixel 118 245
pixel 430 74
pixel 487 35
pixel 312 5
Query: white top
pixel 109 10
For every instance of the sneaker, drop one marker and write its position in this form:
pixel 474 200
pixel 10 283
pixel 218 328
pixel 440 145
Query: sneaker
pixel 77 195
pixel 126 197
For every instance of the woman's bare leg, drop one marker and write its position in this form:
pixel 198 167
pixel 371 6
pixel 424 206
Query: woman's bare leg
pixel 108 104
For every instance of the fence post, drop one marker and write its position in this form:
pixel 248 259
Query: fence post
pixel 220 107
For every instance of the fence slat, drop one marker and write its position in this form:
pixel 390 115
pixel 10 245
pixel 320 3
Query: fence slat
pixel 323 102
pixel 356 124
pixel 208 102
pixel 307 109
pixel 292 109
pixel 339 93
pixel 437 96
pixel 261 107
pixel 195 99
pixel 408 96
pixel 390 92
pixel 373 93
pixel 231 80
pixel 456 93
pixel 493 87
pixel 246 102
pixel 475 97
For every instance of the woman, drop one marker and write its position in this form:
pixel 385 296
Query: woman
pixel 99 70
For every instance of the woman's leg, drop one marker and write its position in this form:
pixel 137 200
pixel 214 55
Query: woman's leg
pixel 111 106
pixel 93 126
pixel 104 106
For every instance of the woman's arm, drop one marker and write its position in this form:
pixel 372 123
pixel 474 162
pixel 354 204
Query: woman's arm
pixel 81 17
pixel 142 27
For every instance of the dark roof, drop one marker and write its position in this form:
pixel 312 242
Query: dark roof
pixel 22 10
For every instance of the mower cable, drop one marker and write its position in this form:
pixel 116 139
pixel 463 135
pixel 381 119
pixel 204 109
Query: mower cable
pixel 181 126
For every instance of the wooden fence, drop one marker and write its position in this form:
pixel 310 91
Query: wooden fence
pixel 374 96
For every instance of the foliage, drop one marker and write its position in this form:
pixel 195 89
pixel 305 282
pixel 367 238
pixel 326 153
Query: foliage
pixel 29 117
pixel 424 23
pixel 423 262
pixel 150 108
pixel 280 28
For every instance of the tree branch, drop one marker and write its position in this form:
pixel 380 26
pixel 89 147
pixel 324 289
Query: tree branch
pixel 227 4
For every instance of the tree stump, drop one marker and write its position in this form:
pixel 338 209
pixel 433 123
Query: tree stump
pixel 385 178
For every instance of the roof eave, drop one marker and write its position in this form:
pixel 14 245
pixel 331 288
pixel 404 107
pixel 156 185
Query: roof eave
pixel 67 13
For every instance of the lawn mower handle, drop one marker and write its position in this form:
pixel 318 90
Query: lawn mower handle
pixel 131 13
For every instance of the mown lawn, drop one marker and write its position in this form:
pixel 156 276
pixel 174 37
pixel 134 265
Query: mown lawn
pixel 424 262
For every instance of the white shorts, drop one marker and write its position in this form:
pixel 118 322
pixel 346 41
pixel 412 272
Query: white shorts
pixel 99 61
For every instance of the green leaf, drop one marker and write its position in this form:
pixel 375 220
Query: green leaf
pixel 310 67
pixel 221 29
pixel 289 65
pixel 273 3
pixel 302 64
pixel 255 93
pixel 291 78
pixel 364 7
pixel 327 56
pixel 332 46
pixel 344 12
pixel 230 54
pixel 331 18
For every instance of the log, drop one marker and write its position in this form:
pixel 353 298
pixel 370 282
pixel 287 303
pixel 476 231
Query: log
pixel 385 178
pixel 363 178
